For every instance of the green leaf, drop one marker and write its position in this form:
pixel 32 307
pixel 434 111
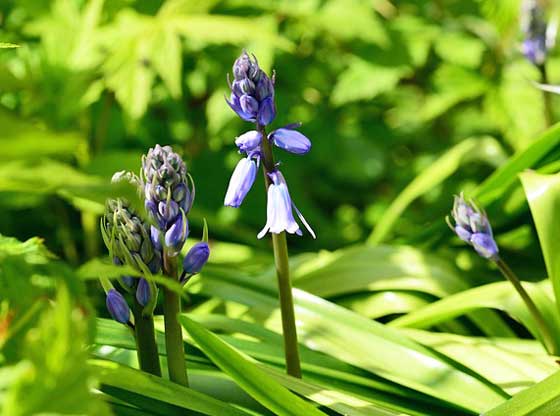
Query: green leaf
pixel 54 377
pixel 335 15
pixel 485 148
pixel 460 49
pixel 543 195
pixel 335 331
pixel 247 374
pixel 543 399
pixel 511 363
pixel 4 45
pixel 22 139
pixel 364 81
pixel 499 182
pixel 150 392
pixel 500 295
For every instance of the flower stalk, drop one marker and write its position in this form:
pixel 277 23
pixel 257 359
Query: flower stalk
pixel 548 113
pixel 544 329
pixel 174 346
pixel 471 225
pixel 146 347
pixel 280 248
pixel 252 99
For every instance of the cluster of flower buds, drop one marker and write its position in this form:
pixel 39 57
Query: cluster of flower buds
pixel 252 98
pixel 168 197
pixel 472 226
pixel 252 91
pixel 128 239
pixel 539 36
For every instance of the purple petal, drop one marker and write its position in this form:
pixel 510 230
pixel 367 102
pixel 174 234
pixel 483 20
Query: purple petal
pixel 143 292
pixel 249 141
pixel 196 258
pixel 241 181
pixel 267 111
pixel 290 140
pixel 117 306
pixel 463 234
pixel 484 245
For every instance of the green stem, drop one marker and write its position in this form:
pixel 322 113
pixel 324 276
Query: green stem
pixel 173 333
pixel 146 346
pixel 544 329
pixel 280 247
pixel 548 113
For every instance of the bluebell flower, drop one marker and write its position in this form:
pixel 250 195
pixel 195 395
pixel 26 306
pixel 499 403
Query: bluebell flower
pixel 117 306
pixel 252 91
pixel 538 35
pixel 291 140
pixel 472 226
pixel 143 292
pixel 168 197
pixel 279 209
pixel 241 181
pixel 195 259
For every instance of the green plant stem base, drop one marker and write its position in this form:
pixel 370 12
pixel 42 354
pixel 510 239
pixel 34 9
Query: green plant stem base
pixel 176 363
pixel 146 347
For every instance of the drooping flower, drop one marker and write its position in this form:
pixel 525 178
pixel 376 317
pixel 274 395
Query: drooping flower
pixel 241 181
pixel 472 226
pixel 168 197
pixel 252 91
pixel 195 259
pixel 117 306
pixel 279 209
pixel 539 36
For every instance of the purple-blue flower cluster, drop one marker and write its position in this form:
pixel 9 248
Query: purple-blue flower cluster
pixel 539 36
pixel 252 91
pixel 168 198
pixel 252 98
pixel 472 226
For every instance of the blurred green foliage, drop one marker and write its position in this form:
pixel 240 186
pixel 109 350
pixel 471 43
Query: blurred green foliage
pixel 406 103
pixel 94 84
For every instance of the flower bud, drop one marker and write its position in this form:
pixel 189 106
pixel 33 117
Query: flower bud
pixel 143 292
pixel 117 306
pixel 472 226
pixel 176 235
pixel 252 91
pixel 196 258
pixel 127 236
pixel 249 141
pixel 168 197
pixel 290 140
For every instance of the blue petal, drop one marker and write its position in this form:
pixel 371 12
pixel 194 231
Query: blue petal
pixel 241 181
pixel 484 245
pixel 117 306
pixel 249 141
pixel 196 258
pixel 143 292
pixel 290 140
pixel 267 111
